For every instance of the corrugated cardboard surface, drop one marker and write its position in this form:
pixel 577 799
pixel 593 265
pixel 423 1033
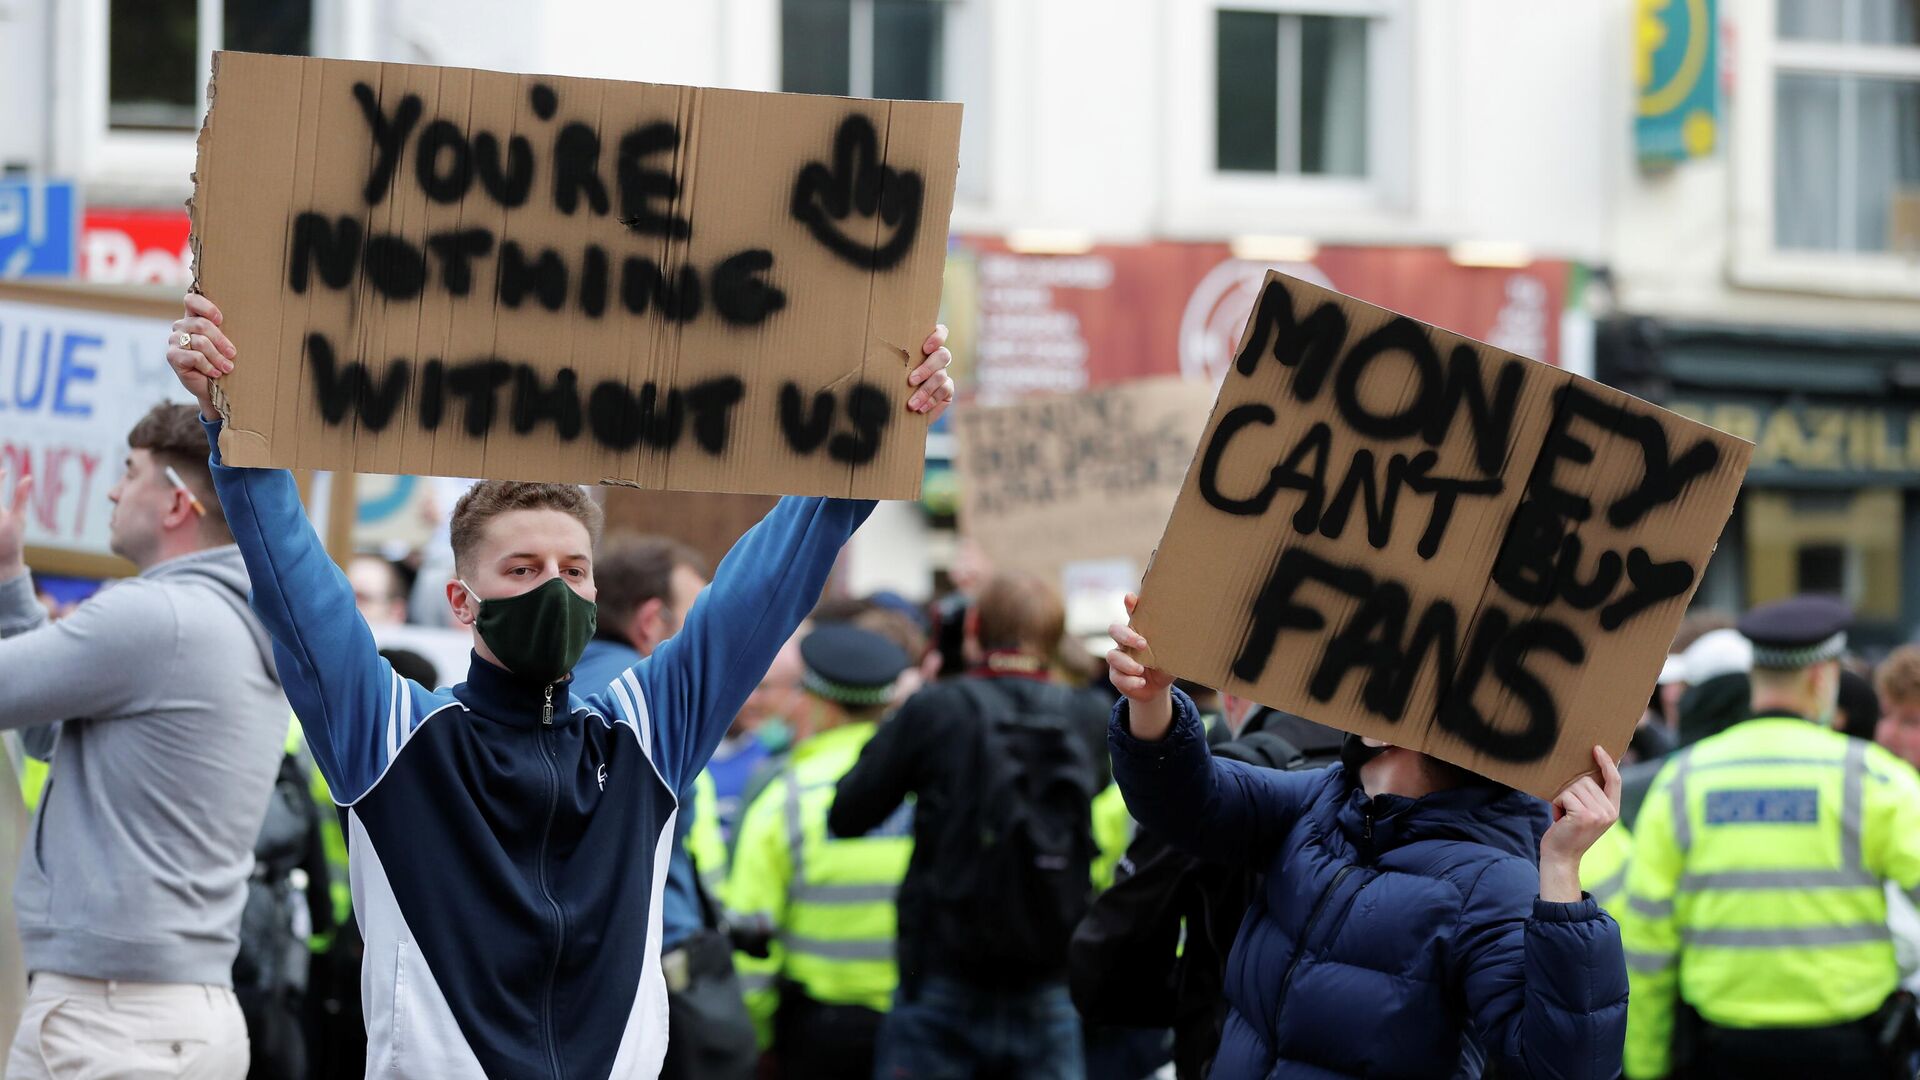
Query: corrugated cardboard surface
pixel 848 200
pixel 1069 478
pixel 1259 587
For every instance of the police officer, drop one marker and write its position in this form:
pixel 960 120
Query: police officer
pixel 1755 899
pixel 818 997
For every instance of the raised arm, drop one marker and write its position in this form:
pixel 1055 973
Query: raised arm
pixel 1223 811
pixel 888 766
pixel 698 679
pixel 354 709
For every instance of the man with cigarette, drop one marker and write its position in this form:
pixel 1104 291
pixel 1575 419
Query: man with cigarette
pixel 157 703
pixel 508 838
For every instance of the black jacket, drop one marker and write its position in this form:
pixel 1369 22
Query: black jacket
pixel 1152 951
pixel 931 749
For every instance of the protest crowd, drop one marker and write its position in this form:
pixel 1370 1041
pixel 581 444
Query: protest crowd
pixel 897 840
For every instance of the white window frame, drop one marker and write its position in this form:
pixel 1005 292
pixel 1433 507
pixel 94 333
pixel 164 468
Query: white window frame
pixel 965 69
pixel 125 163
pixel 1204 199
pixel 1755 261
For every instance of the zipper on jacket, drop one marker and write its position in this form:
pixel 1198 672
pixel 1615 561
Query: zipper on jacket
pixel 1306 935
pixel 559 917
pixel 1366 826
pixel 546 710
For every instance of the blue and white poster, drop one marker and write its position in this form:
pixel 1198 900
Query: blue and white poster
pixel 39 229
pixel 73 381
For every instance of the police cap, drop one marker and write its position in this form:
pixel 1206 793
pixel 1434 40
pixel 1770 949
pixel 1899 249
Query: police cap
pixel 1797 633
pixel 851 666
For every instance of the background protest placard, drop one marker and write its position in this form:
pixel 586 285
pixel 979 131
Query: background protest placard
pixel 78 367
pixel 452 272
pixel 1073 481
pixel 1404 533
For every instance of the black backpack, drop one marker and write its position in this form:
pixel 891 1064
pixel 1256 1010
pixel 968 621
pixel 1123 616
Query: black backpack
pixel 1020 865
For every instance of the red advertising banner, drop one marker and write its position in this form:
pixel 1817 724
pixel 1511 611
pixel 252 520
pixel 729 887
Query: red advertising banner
pixel 136 247
pixel 1059 323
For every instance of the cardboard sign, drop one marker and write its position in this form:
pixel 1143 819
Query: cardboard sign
pixel 465 273
pixel 78 368
pixel 1056 482
pixel 1408 534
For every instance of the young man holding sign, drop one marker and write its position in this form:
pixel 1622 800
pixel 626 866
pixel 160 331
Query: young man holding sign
pixel 509 837
pixel 1403 928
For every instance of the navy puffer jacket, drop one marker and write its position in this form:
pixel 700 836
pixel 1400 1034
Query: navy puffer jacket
pixel 1393 937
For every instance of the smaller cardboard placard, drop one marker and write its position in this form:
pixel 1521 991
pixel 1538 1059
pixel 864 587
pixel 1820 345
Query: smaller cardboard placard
pixel 449 272
pixel 1401 532
pixel 1082 479
pixel 79 366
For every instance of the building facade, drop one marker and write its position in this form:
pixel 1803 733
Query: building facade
pixel 1769 284
pixel 1128 167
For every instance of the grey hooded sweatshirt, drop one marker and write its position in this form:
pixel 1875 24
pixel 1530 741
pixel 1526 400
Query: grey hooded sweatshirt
pixel 170 728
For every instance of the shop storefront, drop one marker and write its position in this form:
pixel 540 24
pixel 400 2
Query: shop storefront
pixel 1832 501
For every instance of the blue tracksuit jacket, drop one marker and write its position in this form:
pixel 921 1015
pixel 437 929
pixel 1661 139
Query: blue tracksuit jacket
pixel 507 859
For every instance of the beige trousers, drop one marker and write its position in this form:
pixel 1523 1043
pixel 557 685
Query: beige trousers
pixel 89 1029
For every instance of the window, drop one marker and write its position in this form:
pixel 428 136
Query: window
pixel 1291 93
pixel 1843 542
pixel 154 56
pixel 864 48
pixel 1847 126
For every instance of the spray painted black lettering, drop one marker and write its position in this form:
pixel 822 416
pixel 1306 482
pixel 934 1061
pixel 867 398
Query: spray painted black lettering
pixel 332 245
pixel 643 284
pixel 1542 552
pixel 353 390
pixel 837 202
pixel 389 137
pixel 641 184
pixel 1311 344
pixel 395 267
pixel 490 390
pixel 1305 469
pixel 545 277
pixel 808 425
pixel 535 402
pixel 623 419
pixel 576 170
pixel 456 251
pixel 478 382
pixel 740 294
pixel 443 185
pixel 508 184
pixel 1313 347
pixel 1373 640
pixel 1504 645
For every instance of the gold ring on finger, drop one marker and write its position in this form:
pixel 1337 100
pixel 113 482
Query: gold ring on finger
pixel 186 341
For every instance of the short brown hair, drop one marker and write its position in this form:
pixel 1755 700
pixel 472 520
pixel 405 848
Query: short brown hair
pixel 488 499
pixel 1898 678
pixel 172 435
pixel 1021 611
pixel 632 569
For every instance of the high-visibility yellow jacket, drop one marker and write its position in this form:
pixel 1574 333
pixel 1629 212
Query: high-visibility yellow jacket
pixel 831 900
pixel 1113 830
pixel 706 843
pixel 1756 890
pixel 1603 870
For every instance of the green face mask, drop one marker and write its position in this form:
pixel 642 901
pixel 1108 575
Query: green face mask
pixel 540 634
